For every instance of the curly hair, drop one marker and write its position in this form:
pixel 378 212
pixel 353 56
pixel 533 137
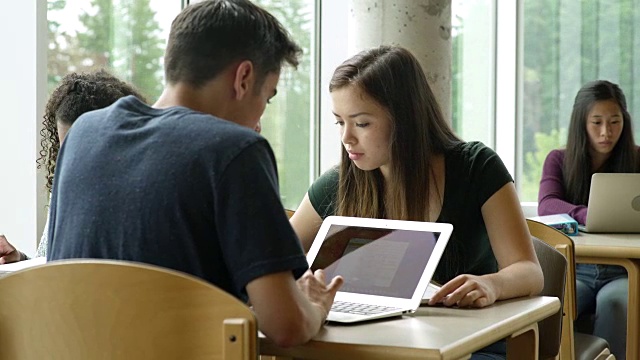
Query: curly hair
pixel 76 94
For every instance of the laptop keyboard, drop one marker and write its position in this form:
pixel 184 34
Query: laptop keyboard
pixel 359 309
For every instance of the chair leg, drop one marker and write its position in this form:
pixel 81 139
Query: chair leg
pixel 605 355
pixel 236 343
pixel 523 344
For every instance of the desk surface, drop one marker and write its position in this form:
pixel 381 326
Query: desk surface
pixel 430 333
pixel 622 250
pixel 607 245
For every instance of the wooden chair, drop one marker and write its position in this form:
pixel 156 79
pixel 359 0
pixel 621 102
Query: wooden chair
pixel 554 268
pixel 572 346
pixel 101 309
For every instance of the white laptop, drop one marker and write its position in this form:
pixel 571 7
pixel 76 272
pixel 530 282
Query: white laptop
pixel 386 264
pixel 614 204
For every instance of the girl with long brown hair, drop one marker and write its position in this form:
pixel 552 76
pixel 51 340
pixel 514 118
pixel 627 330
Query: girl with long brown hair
pixel 401 160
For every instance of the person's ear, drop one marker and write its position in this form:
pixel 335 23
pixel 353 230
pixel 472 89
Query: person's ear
pixel 244 79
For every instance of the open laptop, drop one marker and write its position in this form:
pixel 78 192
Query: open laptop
pixel 614 204
pixel 386 264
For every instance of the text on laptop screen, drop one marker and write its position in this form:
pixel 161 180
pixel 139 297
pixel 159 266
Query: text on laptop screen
pixel 384 262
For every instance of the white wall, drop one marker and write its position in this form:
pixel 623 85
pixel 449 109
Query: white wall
pixel 22 97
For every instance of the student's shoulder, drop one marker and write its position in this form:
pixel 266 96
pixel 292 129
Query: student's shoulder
pixel 327 183
pixel 122 109
pixel 128 103
pixel 209 129
pixel 471 150
pixel 472 147
pixel 323 192
pixel 232 135
pixel 555 156
pixel 556 153
pixel 474 159
pixel 231 141
pixel 221 126
pixel 329 177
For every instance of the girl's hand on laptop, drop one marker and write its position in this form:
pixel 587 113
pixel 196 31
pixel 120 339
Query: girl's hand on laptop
pixel 8 252
pixel 314 286
pixel 466 291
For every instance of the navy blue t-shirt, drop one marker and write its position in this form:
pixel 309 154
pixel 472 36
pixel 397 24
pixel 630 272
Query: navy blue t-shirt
pixel 175 188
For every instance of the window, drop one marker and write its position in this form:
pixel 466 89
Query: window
pixel 568 43
pixel 532 68
pixel 522 112
pixel 473 63
pixel 127 37
pixel 288 121
pixel 475 70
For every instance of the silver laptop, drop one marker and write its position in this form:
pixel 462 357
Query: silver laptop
pixel 386 264
pixel 614 204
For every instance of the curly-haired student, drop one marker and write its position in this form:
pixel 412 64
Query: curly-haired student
pixel 76 94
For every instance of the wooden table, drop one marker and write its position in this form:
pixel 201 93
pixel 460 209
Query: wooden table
pixel 431 333
pixel 622 250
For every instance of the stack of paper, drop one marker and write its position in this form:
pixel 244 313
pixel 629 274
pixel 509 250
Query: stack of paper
pixel 562 222
pixel 9 268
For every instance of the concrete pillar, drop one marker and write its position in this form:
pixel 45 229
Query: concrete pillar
pixel 421 26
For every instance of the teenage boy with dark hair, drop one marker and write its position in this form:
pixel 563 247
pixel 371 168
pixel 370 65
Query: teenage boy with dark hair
pixel 188 184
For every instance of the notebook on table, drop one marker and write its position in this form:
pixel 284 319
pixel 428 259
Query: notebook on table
pixel 6 269
pixel 386 264
pixel 614 204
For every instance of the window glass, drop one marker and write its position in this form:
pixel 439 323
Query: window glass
pixel 472 69
pixel 287 121
pixel 127 37
pixel 568 43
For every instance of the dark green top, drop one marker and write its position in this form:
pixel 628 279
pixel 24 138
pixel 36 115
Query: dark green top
pixel 473 173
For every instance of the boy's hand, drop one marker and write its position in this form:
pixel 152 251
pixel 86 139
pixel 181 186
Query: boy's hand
pixel 313 285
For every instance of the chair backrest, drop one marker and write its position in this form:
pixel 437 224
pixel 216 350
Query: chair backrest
pixel 554 267
pixel 102 309
pixel 591 347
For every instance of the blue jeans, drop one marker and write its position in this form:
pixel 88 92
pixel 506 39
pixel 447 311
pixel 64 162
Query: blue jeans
pixel 604 290
pixel 495 351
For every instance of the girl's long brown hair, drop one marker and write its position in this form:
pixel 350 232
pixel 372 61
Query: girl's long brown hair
pixel 393 77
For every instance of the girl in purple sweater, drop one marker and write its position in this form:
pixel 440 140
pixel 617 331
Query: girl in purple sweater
pixel 600 140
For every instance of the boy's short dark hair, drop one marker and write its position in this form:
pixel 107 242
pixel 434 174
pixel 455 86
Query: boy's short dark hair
pixel 208 36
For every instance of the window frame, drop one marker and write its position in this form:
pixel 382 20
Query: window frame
pixel 506 95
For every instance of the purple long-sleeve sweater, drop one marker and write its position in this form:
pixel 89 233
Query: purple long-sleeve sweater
pixel 552 197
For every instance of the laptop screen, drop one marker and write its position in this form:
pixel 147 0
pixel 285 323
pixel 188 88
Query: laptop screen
pixel 614 203
pixel 374 261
